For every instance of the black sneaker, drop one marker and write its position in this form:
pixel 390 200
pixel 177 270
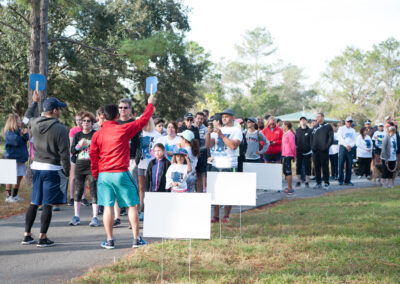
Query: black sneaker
pixel 349 183
pixel 28 240
pixel 43 243
pixel 85 202
pixel 123 211
pixel 71 202
pixel 117 222
pixel 298 184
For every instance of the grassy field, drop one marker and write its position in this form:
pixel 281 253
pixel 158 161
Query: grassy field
pixel 350 237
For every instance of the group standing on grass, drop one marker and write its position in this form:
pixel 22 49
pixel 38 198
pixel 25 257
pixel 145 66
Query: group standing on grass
pixel 120 157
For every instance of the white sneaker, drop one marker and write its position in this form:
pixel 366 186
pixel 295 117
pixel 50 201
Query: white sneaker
pixel 18 198
pixel 11 199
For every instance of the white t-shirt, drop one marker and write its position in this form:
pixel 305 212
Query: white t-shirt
pixel 203 132
pixel 378 138
pixel 347 136
pixel 364 146
pixel 193 159
pixel 177 173
pixel 393 148
pixel 225 157
pixel 334 149
pixel 147 142
pixel 171 145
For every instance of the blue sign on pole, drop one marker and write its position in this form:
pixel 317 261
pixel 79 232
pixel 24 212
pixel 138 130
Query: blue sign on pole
pixel 151 85
pixel 37 82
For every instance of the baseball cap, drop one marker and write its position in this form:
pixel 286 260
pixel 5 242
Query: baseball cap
pixel 252 119
pixel 187 134
pixel 188 115
pixel 367 121
pixel 228 111
pixel 301 117
pixel 51 103
pixel 349 118
pixel 381 124
pixel 180 151
pixel 387 117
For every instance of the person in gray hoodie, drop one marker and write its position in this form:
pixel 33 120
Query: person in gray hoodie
pixel 50 167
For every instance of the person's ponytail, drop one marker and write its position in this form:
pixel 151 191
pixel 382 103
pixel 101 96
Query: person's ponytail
pixel 195 145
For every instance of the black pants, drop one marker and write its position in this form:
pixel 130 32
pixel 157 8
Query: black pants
pixel 80 187
pixel 364 166
pixel 300 158
pixel 321 160
pixel 385 172
pixel 334 165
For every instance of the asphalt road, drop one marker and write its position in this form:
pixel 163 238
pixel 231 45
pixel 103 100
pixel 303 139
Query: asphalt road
pixel 78 248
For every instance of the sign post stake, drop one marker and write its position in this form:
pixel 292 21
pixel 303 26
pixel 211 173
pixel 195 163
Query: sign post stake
pixel 190 247
pixel 162 261
pixel 240 217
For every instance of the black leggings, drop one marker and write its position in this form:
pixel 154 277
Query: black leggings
pixel 307 164
pixel 385 172
pixel 80 187
pixel 364 166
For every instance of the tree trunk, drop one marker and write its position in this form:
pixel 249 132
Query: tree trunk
pixel 44 42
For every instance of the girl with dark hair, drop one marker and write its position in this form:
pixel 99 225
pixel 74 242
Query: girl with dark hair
pixel 364 152
pixel 288 154
pixel 170 141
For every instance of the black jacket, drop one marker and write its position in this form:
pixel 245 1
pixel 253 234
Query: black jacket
pixel 193 128
pixel 149 176
pixel 303 140
pixel 50 140
pixel 322 137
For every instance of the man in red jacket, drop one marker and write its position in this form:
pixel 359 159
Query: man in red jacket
pixel 274 135
pixel 109 155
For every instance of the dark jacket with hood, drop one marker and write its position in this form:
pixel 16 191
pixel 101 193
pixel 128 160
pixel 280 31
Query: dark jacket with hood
pixel 322 137
pixel 303 140
pixel 163 174
pixel 16 146
pixel 50 140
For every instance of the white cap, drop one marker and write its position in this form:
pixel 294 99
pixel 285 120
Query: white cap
pixel 349 118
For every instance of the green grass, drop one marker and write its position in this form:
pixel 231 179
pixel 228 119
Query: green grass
pixel 349 237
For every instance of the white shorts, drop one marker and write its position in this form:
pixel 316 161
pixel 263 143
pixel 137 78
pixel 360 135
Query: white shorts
pixel 21 169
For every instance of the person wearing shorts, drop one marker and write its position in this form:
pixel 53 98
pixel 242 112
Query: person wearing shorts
pixel 201 168
pixel 50 167
pixel 288 153
pixel 109 154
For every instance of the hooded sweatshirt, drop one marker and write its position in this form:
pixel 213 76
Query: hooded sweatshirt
pixel 51 141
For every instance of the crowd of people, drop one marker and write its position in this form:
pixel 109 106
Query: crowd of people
pixel 119 156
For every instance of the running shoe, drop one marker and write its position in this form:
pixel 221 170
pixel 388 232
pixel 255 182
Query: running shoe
pixel 28 240
pixel 298 184
pixel 349 183
pixel 123 211
pixel 139 242
pixel 71 202
pixel 11 199
pixel 18 198
pixel 94 222
pixel 75 221
pixel 141 216
pixel 43 243
pixel 326 186
pixel 85 202
pixel 108 244
pixel 288 191
pixel 225 219
pixel 117 222
pixel 318 186
pixel 215 219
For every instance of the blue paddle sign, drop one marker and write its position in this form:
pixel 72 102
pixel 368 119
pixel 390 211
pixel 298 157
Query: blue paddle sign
pixel 151 85
pixel 37 82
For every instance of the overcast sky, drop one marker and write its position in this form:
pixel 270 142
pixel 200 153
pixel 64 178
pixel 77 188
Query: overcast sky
pixel 308 33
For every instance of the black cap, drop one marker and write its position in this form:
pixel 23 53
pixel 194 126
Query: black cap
pixel 188 115
pixel 252 119
pixel 51 103
pixel 301 117
pixel 228 111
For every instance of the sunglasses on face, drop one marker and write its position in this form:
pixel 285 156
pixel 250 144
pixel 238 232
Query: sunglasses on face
pixel 123 107
pixel 189 119
pixel 86 120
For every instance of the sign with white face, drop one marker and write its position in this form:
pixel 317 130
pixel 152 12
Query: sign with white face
pixel 177 215
pixel 8 171
pixel 269 176
pixel 232 188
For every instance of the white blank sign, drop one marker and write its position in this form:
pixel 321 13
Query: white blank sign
pixel 8 171
pixel 269 176
pixel 177 215
pixel 232 188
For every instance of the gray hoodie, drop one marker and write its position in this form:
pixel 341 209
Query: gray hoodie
pixel 50 140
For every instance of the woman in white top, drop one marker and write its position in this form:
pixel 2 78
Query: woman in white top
pixel 170 141
pixel 364 152
pixel 147 141
pixel 191 145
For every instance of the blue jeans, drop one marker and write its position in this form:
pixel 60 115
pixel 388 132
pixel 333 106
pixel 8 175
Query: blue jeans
pixel 345 157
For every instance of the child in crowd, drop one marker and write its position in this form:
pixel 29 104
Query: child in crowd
pixel 157 170
pixel 179 171
pixel 15 146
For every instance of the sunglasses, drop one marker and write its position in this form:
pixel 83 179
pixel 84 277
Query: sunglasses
pixel 123 107
pixel 86 120
pixel 189 119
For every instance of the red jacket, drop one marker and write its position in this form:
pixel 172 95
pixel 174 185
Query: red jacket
pixel 275 135
pixel 109 148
